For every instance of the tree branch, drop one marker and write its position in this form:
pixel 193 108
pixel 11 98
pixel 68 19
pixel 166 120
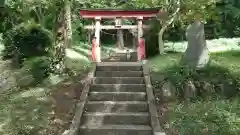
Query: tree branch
pixel 171 17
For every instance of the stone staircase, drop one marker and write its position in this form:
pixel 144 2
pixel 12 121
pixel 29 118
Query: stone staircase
pixel 119 102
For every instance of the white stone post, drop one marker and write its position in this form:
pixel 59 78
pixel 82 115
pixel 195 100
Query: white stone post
pixel 140 27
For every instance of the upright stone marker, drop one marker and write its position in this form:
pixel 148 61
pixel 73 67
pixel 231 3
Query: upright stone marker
pixel 197 54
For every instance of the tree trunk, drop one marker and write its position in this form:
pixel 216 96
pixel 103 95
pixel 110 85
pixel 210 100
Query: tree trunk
pixel 60 44
pixel 63 36
pixel 68 24
pixel 197 54
pixel 160 40
pixel 120 39
pixel 166 23
pixel 160 35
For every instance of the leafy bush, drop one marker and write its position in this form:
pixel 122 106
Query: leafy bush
pixel 26 41
pixel 38 68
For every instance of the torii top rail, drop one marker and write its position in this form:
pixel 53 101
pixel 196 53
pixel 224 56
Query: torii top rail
pixel 118 15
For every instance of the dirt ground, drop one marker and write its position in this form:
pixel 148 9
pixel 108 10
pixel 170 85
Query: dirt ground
pixel 64 98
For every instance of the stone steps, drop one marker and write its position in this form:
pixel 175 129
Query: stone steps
pixel 118 80
pixel 117 101
pixel 116 130
pixel 119 74
pixel 118 87
pixel 120 57
pixel 117 67
pixel 99 118
pixel 116 106
pixel 117 96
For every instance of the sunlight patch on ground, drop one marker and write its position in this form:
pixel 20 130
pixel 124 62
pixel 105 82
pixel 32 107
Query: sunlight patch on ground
pixel 1 47
pixel 55 79
pixel 75 55
pixel 33 92
pixel 161 62
pixel 87 51
pixel 215 45
pixel 42 98
pixel 2 125
pixel 1 43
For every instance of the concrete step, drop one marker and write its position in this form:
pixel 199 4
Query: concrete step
pixel 123 54
pixel 119 60
pixel 117 96
pixel 118 88
pixel 119 74
pixel 116 130
pixel 117 67
pixel 112 106
pixel 98 118
pixel 118 80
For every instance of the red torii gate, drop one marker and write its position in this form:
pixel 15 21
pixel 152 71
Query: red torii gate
pixel 98 14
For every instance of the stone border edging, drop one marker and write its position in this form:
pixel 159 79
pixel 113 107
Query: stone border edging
pixel 74 127
pixel 157 130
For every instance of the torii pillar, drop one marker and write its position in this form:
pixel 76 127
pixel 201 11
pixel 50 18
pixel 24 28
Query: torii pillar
pixel 96 50
pixel 141 43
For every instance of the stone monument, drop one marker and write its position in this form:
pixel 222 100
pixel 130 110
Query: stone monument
pixel 196 54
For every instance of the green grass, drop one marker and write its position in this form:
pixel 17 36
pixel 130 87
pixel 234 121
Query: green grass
pixel 24 110
pixel 203 117
pixel 228 60
pixel 220 117
pixel 159 63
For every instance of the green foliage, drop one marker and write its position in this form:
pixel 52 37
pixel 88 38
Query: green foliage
pixel 28 45
pixel 38 67
pixel 33 72
pixel 26 41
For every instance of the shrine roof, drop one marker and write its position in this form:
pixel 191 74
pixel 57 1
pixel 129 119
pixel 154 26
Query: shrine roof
pixel 125 13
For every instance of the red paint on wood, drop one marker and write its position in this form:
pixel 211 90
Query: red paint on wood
pixel 141 49
pixel 85 13
pixel 94 46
